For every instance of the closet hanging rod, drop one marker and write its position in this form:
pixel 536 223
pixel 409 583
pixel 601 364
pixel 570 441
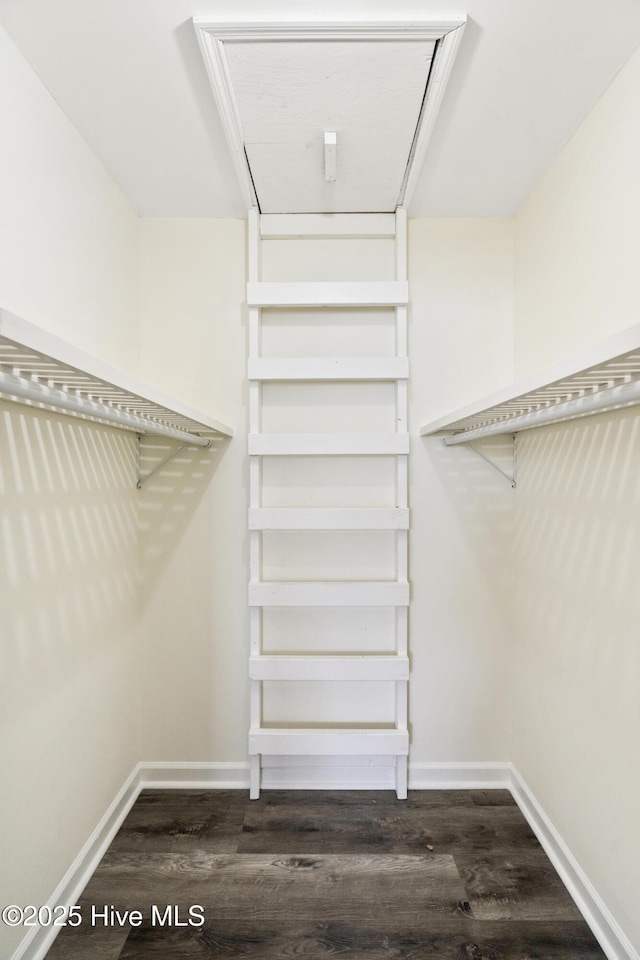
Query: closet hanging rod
pixel 12 386
pixel 624 395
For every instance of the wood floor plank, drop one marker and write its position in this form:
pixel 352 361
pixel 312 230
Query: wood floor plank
pixel 324 874
pixel 462 940
pixel 234 886
pixel 406 827
pixel 96 942
pixel 183 821
pixel 525 887
pixel 492 798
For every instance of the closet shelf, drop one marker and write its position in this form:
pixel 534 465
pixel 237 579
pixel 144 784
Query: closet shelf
pixel 603 377
pixel 40 369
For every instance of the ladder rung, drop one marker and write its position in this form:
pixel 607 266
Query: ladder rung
pixel 380 226
pixel 327 444
pixel 329 518
pixel 364 593
pixel 330 368
pixel 323 742
pixel 368 293
pixel 293 667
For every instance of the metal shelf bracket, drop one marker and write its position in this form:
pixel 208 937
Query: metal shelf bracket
pixel 183 446
pixel 514 454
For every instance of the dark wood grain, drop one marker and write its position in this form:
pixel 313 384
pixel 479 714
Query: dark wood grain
pixel 324 874
pixel 314 886
pixel 183 821
pixel 492 798
pixel 86 941
pixel 525 887
pixel 403 827
pixel 291 938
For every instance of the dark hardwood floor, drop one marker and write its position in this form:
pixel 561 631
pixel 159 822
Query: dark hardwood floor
pixel 316 874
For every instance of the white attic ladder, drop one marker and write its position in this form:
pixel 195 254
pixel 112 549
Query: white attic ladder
pixel 389 740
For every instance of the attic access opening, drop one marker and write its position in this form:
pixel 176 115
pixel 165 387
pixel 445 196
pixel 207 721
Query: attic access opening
pixel 281 88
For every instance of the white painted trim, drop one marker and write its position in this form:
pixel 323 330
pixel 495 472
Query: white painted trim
pixel 329 518
pixel 322 293
pixel 194 775
pixel 328 368
pixel 348 593
pixel 328 226
pixel 325 667
pixel 39 939
pixel 215 60
pixel 459 776
pixel 329 772
pixel 327 444
pixel 606 930
pixel 310 741
pixel 443 61
pixel 269 30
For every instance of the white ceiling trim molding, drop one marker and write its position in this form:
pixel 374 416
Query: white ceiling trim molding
pixel 441 68
pixel 212 37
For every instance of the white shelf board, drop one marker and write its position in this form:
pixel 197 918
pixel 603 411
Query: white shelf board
pixel 348 593
pixel 309 741
pixel 327 444
pixel 329 518
pixel 34 354
pixel 329 368
pixel 609 363
pixel 369 293
pixel 375 667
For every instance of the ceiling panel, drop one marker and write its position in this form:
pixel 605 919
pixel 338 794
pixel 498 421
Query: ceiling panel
pixel 288 93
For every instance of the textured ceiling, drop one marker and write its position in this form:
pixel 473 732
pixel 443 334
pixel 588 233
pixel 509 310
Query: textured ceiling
pixel 130 77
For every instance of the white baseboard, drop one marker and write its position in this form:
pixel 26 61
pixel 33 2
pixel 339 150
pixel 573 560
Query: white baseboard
pixel 193 776
pixel 328 773
pixel 39 939
pixel 325 773
pixel 338 773
pixel 459 776
pixel 611 938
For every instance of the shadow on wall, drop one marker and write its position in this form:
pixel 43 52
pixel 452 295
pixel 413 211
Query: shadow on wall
pixel 68 519
pixel 578 554
pixel 479 499
pixel 170 497
pixel 461 611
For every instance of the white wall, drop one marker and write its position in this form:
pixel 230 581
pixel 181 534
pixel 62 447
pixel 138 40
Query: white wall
pixel 575 672
pixel 192 286
pixel 578 235
pixel 193 514
pixel 68 236
pixel 461 346
pixel 70 661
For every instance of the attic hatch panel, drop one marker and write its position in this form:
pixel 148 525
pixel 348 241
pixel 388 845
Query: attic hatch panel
pixel 288 93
